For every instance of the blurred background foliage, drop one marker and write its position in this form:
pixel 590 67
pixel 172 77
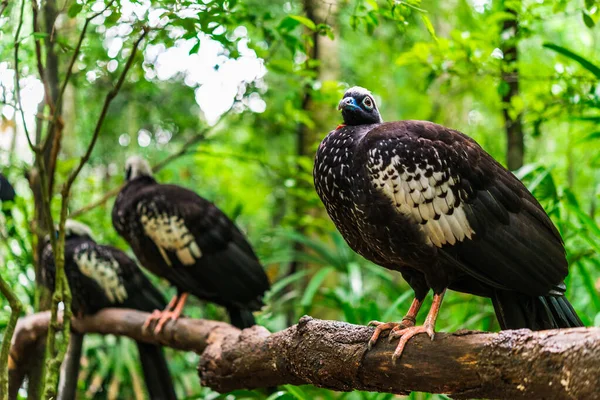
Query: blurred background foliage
pixel 268 76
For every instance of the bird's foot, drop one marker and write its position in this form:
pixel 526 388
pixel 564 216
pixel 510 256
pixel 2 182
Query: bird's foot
pixel 406 334
pixel 155 316
pixel 386 326
pixel 165 317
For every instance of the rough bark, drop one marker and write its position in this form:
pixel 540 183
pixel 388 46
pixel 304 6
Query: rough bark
pixel 558 364
pixel 515 148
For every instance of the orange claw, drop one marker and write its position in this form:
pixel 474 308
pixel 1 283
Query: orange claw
pixel 169 315
pixel 406 334
pixel 379 328
pixel 153 317
pixel 428 327
pixel 407 321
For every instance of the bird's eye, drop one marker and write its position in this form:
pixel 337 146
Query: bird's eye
pixel 368 103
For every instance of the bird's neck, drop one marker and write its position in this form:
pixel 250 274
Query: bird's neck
pixel 140 181
pixel 351 133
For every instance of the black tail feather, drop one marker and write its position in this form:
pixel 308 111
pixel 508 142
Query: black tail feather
pixel 516 311
pixel 156 372
pixel 241 319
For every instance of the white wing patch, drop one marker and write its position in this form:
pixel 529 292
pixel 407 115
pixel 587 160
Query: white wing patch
pixel 169 233
pixel 428 201
pixel 103 271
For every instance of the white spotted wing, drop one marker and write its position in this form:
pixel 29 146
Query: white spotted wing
pixel 169 233
pixel 427 193
pixel 103 269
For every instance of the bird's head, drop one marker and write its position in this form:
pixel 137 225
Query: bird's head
pixel 359 108
pixel 73 229
pixel 135 167
pixel 77 229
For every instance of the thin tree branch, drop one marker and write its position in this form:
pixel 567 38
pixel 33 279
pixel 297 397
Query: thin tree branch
pixel 17 77
pixel 106 197
pixel 15 310
pixel 38 56
pixel 109 98
pixel 3 6
pixel 157 167
pixel 63 87
pixel 519 364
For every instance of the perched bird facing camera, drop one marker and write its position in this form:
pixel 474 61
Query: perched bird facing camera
pixel 429 202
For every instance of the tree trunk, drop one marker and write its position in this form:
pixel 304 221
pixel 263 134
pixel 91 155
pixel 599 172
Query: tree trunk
pixel 323 64
pixel 515 148
pixel 49 14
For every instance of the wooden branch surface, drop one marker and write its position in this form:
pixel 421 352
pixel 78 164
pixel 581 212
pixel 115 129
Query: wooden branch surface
pixel 520 364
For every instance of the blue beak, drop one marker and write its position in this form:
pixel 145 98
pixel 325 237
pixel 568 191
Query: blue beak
pixel 347 102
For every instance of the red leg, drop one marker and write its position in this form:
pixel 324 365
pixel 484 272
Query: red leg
pixel 156 314
pixel 408 320
pixel 171 315
pixel 428 327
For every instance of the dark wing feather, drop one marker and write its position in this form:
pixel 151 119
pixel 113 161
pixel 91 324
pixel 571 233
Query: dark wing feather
pixel 489 225
pixel 141 293
pixel 88 296
pixel 205 252
pixel 7 193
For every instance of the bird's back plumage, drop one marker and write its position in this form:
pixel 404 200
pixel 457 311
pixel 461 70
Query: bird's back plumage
pixel 186 239
pixel 101 277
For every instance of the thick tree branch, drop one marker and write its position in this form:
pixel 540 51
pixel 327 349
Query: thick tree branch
pixel 519 364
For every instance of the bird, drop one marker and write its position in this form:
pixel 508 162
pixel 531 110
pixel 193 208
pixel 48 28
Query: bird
pixel 102 276
pixel 427 201
pixel 186 239
pixel 7 193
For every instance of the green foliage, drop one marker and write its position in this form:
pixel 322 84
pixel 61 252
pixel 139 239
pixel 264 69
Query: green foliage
pixel 434 60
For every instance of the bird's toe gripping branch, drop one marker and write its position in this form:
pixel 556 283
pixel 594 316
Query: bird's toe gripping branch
pixel 381 327
pixel 406 334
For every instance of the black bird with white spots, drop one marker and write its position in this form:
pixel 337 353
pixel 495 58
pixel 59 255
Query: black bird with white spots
pixel 429 202
pixel 187 240
pixel 102 277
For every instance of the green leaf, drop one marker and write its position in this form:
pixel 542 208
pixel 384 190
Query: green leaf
pixel 314 285
pixel 588 281
pixel 195 48
pixel 297 392
pixel 594 69
pixel 373 4
pixel 587 20
pixel 590 3
pixel 74 10
pixel 589 118
pixel 287 24
pixel 304 21
pixel 283 283
pixel 429 26
pixel 503 88
pixel 589 137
